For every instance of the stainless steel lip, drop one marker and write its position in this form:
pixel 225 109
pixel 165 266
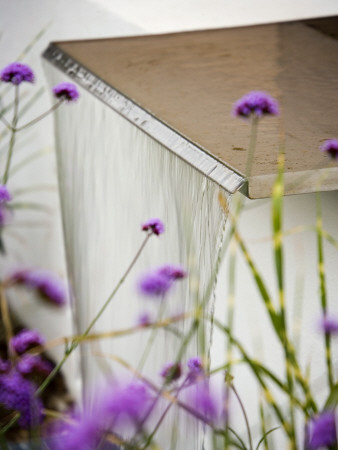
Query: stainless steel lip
pixel 192 154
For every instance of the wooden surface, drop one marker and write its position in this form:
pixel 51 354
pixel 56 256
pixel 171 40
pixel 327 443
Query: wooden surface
pixel 191 80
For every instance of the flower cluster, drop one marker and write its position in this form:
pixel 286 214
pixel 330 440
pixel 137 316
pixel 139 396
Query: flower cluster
pixel 321 431
pixel 158 282
pixel 16 73
pixel 154 226
pixel 331 148
pixel 121 407
pixel 25 340
pixel 17 394
pixel 66 91
pixel 50 287
pixel 256 103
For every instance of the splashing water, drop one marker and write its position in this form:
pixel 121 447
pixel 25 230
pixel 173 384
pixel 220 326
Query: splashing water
pixel 113 177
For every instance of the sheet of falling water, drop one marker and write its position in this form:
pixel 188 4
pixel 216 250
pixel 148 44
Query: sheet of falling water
pixel 112 178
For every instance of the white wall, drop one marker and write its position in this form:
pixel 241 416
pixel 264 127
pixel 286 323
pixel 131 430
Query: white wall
pixel 20 20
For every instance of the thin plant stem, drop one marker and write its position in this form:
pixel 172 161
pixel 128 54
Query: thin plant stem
pixel 75 342
pixel 244 414
pixel 277 218
pixel 13 134
pixel 152 336
pixel 322 289
pixel 10 424
pixel 40 117
pixel 119 284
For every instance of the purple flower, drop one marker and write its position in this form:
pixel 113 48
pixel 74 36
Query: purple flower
pixel 172 272
pixel 47 284
pixel 144 319
pixel 83 433
pixel 17 393
pixel 321 431
pixel 255 103
pixel 171 372
pixel 156 226
pixel 5 196
pixel 16 73
pixel 331 147
pixel 30 364
pixel 125 404
pixel 195 366
pixel 25 340
pixel 154 284
pixel 329 325
pixel 158 282
pixel 204 402
pixel 66 91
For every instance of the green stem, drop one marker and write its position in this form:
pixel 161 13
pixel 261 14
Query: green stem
pixel 42 116
pixel 76 341
pixel 12 139
pixel 322 289
pixel 244 414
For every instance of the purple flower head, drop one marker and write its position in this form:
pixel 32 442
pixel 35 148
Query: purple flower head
pixel 83 433
pixel 204 402
pixel 321 431
pixel 5 196
pixel 255 103
pixel 172 272
pixel 154 284
pixel 144 319
pixel 16 73
pixel 331 147
pixel 329 325
pixel 171 372
pixel 196 368
pixel 66 91
pixel 25 340
pixel 125 404
pixel 156 226
pixel 30 364
pixel 49 286
pixel 17 393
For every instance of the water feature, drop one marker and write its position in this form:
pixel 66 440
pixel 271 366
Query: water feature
pixel 112 177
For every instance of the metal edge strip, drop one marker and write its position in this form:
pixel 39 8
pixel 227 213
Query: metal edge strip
pixel 195 156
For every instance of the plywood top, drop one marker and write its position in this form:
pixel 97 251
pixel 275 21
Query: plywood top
pixel 190 81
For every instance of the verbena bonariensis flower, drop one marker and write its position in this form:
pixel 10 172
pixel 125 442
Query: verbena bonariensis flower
pixel 66 91
pixel 144 319
pixel 82 433
pixel 256 103
pixel 195 366
pixel 5 195
pixel 171 372
pixel 49 286
pixel 158 282
pixel 331 147
pixel 172 272
pixel 154 284
pixel 31 364
pixel 206 402
pixel 17 393
pixel 156 226
pixel 329 325
pixel 125 405
pixel 25 340
pixel 16 73
pixel 321 431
